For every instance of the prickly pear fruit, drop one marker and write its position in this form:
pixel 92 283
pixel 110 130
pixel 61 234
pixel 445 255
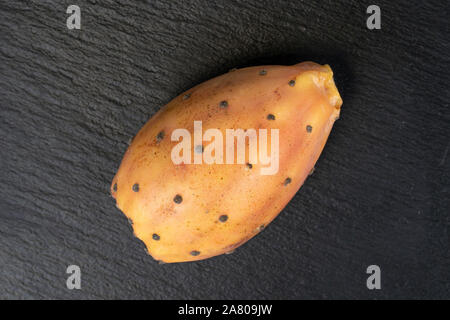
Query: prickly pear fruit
pixel 185 212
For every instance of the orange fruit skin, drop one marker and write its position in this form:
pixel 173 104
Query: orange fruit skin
pixel 191 227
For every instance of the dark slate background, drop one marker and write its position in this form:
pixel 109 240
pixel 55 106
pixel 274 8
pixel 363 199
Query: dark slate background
pixel 71 99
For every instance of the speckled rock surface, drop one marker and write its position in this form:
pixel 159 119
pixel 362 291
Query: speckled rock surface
pixel 71 99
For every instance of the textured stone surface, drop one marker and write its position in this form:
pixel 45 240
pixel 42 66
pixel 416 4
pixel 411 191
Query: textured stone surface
pixel 71 99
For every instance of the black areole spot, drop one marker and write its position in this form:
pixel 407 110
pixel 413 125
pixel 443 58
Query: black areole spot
pixel 195 253
pixel 223 218
pixel 199 149
pixel 136 187
pixel 292 83
pixel 249 165
pixel 308 129
pixel 260 228
pixel 115 187
pixel 160 136
pixel 287 181
pixel 223 104
pixel 177 199
pixel 156 237
pixel 263 72
pixel 270 117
